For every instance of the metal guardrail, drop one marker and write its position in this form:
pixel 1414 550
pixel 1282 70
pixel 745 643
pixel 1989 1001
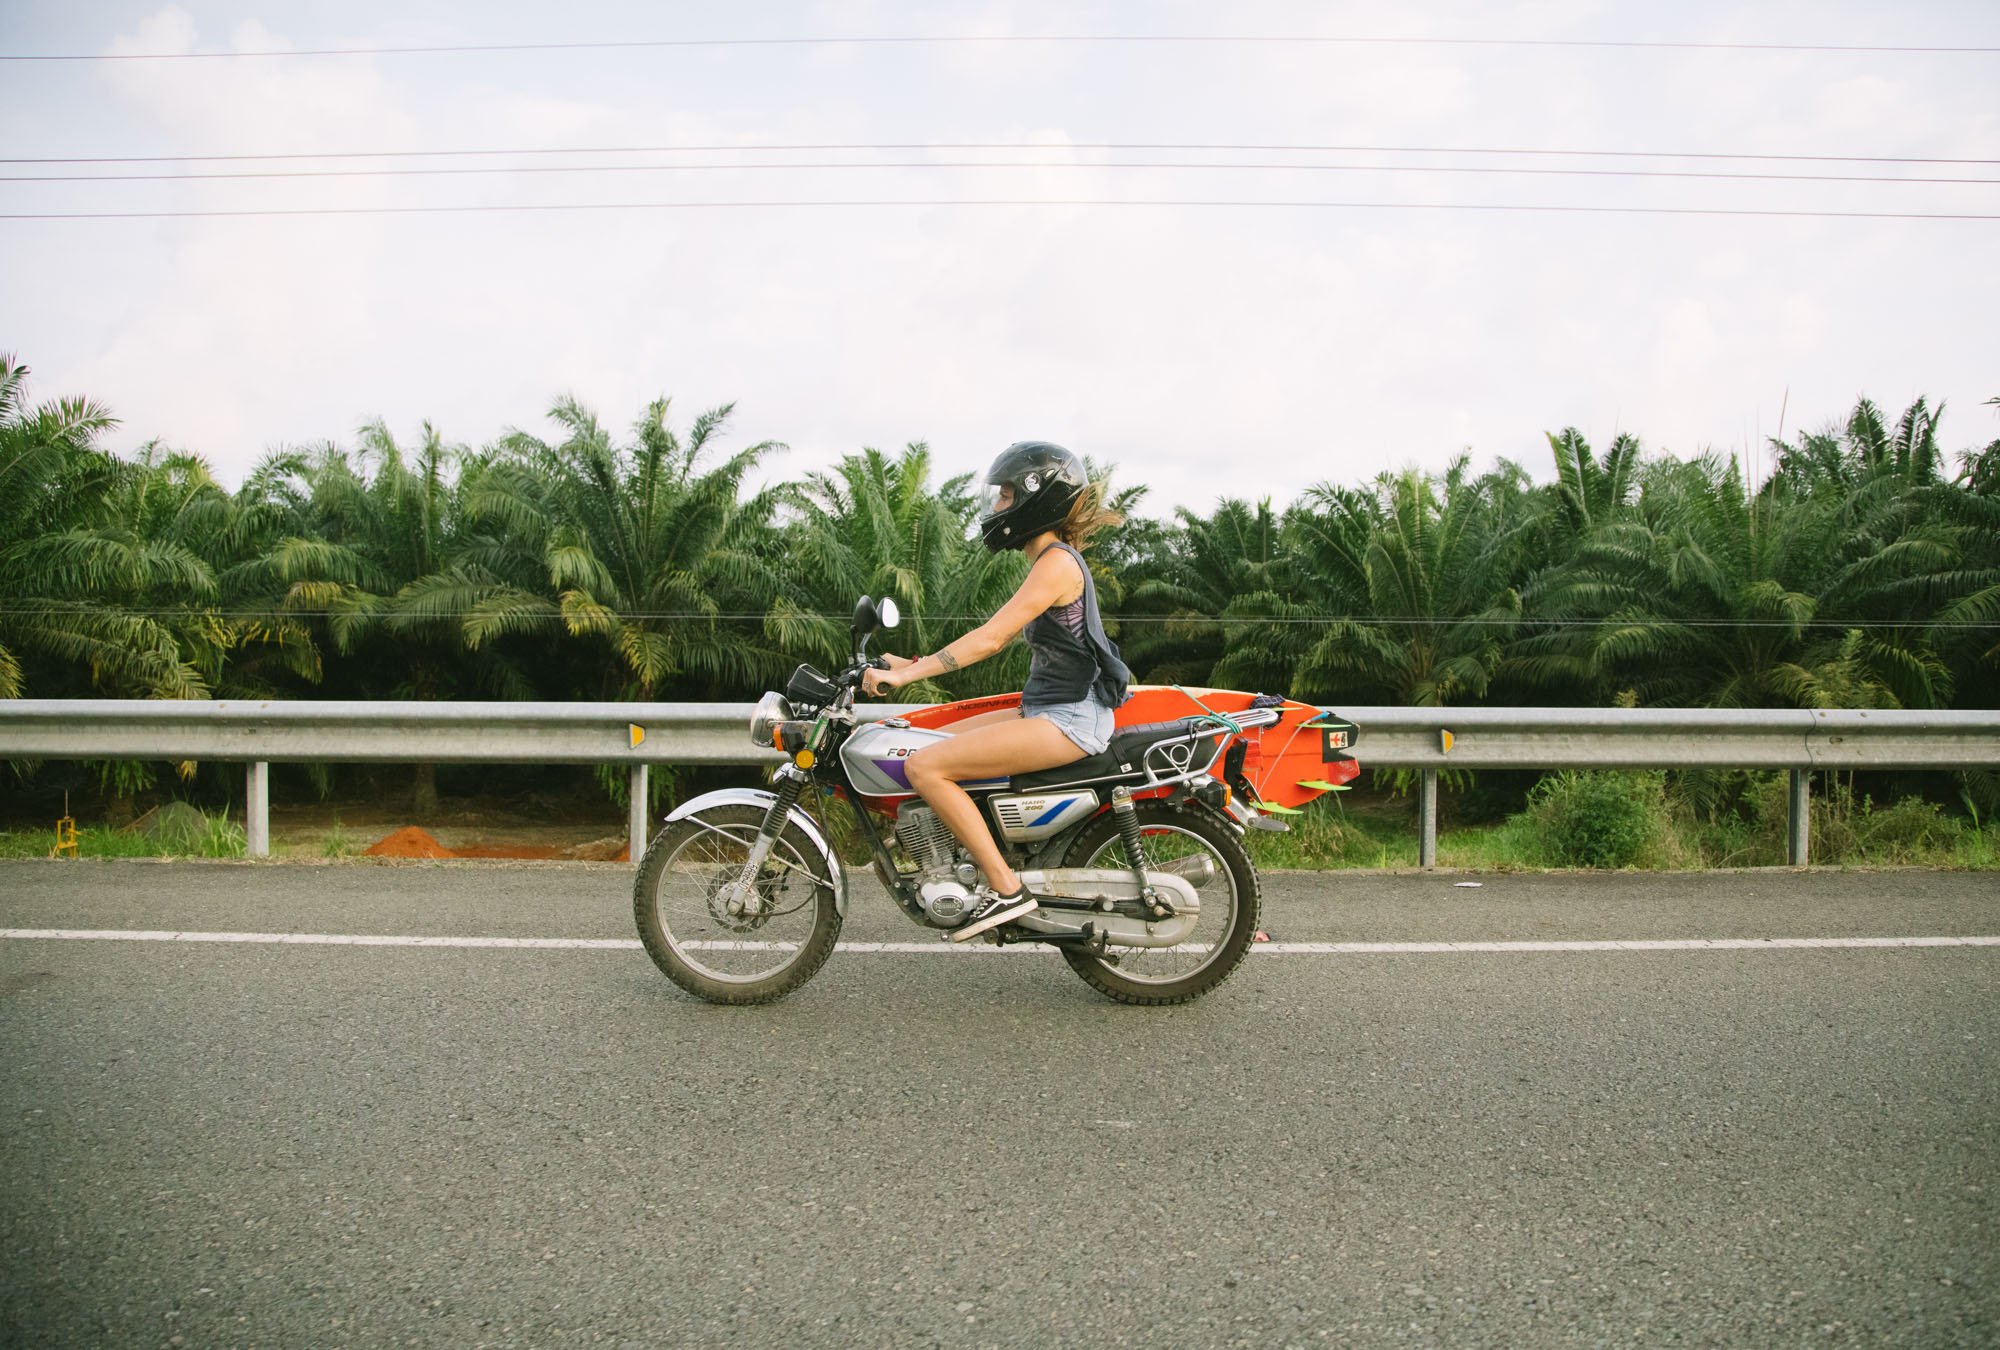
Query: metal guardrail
pixel 259 733
pixel 1795 739
pixel 640 734
pixel 1669 738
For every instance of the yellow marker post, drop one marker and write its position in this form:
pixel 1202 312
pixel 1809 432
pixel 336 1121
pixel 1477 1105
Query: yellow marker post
pixel 65 834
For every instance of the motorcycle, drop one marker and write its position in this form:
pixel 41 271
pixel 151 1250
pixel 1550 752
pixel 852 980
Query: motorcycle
pixel 1135 855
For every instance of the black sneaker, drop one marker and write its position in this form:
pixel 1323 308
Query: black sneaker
pixel 992 911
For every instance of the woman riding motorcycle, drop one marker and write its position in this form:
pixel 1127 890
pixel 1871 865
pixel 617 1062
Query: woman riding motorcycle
pixel 1036 498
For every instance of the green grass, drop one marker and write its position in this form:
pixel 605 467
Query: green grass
pixel 1331 835
pixel 217 836
pixel 1327 837
pixel 337 844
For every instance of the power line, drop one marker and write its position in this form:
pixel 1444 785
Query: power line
pixel 1077 39
pixel 545 207
pixel 1114 146
pixel 1310 621
pixel 459 170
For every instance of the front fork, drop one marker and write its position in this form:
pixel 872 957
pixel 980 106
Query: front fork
pixel 790 782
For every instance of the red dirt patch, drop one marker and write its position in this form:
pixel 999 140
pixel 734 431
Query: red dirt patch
pixel 412 841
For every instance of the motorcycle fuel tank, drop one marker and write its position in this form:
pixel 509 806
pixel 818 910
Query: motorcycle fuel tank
pixel 877 758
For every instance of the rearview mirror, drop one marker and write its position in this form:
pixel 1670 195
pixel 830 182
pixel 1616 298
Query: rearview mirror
pixel 869 617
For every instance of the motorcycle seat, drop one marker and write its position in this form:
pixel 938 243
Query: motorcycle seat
pixel 1122 761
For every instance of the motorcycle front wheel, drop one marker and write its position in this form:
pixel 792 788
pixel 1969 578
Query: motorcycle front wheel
pixel 1229 904
pixel 718 950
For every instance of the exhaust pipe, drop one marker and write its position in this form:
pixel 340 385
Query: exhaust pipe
pixel 1197 869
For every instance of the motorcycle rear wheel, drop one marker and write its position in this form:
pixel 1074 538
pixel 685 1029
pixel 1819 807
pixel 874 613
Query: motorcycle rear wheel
pixel 1229 907
pixel 725 958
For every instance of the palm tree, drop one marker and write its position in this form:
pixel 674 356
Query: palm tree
pixel 1707 598
pixel 1898 543
pixel 873 525
pixel 76 575
pixel 1180 605
pixel 1588 492
pixel 1980 473
pixel 230 634
pixel 364 547
pixel 1428 570
pixel 641 548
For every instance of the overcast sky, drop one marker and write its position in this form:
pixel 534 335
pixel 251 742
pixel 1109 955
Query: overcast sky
pixel 1209 350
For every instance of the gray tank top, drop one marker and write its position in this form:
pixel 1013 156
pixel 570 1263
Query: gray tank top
pixel 1071 658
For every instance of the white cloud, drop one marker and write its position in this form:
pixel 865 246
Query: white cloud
pixel 1212 350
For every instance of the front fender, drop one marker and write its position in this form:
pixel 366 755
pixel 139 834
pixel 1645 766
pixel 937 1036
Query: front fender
pixel 761 798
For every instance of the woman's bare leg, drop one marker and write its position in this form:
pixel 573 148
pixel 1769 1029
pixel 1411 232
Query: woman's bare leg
pixel 985 719
pixel 1019 745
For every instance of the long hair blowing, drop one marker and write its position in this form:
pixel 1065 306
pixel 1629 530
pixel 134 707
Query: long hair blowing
pixel 1087 515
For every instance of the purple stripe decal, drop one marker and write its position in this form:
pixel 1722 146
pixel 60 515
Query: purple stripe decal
pixel 896 770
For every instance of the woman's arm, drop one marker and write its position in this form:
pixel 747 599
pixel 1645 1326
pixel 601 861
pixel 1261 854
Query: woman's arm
pixel 1054 575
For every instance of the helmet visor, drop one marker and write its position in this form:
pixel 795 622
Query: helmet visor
pixel 995 498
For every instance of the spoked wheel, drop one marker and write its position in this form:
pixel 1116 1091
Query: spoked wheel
pixel 716 942
pixel 1223 933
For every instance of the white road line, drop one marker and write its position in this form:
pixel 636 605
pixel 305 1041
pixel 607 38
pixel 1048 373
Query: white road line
pixel 941 947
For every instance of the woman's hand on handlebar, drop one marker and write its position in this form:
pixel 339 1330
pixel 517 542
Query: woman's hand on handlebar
pixel 876 681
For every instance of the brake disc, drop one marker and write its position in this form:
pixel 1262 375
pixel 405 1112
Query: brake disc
pixel 768 889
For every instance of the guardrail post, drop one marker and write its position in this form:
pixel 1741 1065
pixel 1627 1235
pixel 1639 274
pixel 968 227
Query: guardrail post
pixel 636 824
pixel 257 810
pixel 1427 819
pixel 1797 851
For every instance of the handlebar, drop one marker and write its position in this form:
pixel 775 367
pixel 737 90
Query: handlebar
pixel 849 679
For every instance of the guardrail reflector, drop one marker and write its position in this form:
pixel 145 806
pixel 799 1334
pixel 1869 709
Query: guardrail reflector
pixel 1445 739
pixel 636 732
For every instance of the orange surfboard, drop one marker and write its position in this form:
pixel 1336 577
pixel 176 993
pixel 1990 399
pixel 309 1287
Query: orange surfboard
pixel 1280 760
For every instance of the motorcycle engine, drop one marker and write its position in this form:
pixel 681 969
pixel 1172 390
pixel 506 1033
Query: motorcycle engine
pixel 946 902
pixel 937 858
pixel 925 840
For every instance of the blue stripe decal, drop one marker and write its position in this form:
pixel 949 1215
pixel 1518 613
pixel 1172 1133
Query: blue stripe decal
pixel 1051 813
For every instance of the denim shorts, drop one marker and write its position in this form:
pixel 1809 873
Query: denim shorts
pixel 1088 723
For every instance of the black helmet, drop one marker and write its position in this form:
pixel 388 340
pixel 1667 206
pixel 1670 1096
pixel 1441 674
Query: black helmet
pixel 1046 479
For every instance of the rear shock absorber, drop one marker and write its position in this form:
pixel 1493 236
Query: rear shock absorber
pixel 1127 817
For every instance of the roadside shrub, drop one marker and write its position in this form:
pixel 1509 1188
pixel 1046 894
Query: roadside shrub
pixel 1327 834
pixel 1848 827
pixel 338 844
pixel 204 836
pixel 1906 831
pixel 1600 819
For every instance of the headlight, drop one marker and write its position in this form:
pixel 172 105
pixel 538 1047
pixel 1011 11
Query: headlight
pixel 771 710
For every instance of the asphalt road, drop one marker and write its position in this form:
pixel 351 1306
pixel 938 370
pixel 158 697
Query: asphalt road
pixel 210 1144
